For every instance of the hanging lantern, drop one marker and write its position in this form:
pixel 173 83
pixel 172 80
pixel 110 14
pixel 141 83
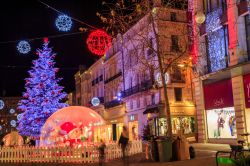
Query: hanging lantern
pixel 98 42
pixel 200 17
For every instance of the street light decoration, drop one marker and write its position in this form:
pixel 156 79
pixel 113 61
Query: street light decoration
pixel 99 42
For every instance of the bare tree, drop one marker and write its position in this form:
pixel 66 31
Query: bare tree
pixel 142 24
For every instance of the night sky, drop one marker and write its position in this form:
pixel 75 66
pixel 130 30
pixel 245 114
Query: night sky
pixel 30 19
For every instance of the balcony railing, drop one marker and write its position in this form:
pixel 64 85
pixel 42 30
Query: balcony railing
pixel 146 85
pixel 113 103
pixel 113 77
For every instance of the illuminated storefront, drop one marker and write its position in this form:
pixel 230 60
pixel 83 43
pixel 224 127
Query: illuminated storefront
pixel 182 120
pixel 219 110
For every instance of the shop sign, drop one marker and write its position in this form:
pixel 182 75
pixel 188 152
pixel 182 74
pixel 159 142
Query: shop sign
pixel 133 117
pixel 218 95
pixel 246 82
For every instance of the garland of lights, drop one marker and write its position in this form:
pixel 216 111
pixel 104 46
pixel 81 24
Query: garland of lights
pixel 63 23
pixel 23 47
pixel 216 40
pixel 213 20
pixel 217 50
pixel 98 42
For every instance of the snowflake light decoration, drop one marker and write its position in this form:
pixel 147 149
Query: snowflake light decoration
pixel 13 123
pixel 63 23
pixel 23 47
pixel 98 42
pixel 12 111
pixel 1 104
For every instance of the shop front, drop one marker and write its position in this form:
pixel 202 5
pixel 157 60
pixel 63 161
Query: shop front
pixel 246 82
pixel 182 120
pixel 220 111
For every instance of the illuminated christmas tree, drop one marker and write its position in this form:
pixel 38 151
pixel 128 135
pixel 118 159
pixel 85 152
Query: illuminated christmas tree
pixel 43 95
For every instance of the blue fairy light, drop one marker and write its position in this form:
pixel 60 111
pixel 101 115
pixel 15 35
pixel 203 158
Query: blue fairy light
pixel 63 23
pixel 1 104
pixel 23 47
pixel 19 116
pixel 13 123
pixel 12 111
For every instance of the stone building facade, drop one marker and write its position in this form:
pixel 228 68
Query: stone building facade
pixel 222 70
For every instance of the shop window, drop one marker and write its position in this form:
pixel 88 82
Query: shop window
pixel 221 123
pixel 178 94
pixel 186 125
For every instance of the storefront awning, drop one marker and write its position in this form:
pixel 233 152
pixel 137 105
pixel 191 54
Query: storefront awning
pixel 153 108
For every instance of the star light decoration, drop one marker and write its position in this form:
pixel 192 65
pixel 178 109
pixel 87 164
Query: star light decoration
pixel 23 47
pixel 98 42
pixel 63 23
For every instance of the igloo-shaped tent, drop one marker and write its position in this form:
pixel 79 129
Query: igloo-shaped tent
pixel 13 139
pixel 70 125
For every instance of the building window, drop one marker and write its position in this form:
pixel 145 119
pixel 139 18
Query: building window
pixel 178 94
pixel 138 103
pixel 173 16
pixel 153 99
pixel 174 46
pixel 131 105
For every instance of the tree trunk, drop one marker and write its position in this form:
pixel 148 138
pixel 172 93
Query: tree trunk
pixel 166 111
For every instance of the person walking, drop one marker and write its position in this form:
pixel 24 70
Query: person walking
pixel 123 142
pixel 102 152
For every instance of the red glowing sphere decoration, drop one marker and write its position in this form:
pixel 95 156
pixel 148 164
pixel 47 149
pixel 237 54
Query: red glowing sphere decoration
pixel 98 42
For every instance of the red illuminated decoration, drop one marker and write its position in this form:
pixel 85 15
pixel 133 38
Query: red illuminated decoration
pixel 98 42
